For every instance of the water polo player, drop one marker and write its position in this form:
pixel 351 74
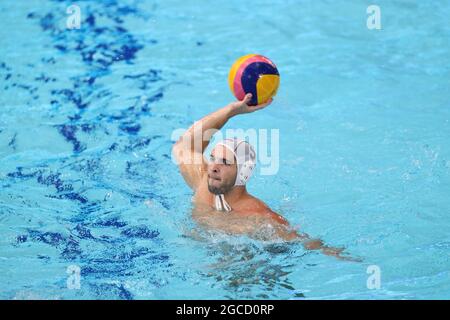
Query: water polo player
pixel 220 197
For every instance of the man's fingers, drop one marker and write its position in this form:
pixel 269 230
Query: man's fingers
pixel 247 98
pixel 244 103
pixel 263 105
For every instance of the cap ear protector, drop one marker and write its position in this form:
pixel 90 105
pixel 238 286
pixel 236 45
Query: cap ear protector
pixel 245 157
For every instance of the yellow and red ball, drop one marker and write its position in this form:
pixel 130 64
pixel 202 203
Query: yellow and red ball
pixel 254 74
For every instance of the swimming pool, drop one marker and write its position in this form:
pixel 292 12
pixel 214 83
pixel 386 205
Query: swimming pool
pixel 87 184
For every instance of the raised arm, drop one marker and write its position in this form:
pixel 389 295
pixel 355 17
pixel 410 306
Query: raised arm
pixel 188 150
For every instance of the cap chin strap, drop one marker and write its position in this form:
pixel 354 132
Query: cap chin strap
pixel 221 203
pixel 244 168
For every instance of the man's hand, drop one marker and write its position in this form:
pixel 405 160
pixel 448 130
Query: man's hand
pixel 317 244
pixel 240 107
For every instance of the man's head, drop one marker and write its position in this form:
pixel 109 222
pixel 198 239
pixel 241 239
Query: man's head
pixel 231 164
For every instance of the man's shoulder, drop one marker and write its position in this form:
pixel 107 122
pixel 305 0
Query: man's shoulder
pixel 254 203
pixel 260 208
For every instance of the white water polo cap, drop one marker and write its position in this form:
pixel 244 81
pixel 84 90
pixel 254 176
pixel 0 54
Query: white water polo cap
pixel 245 157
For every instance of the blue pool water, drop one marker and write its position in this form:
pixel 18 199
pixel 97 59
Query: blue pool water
pixel 86 118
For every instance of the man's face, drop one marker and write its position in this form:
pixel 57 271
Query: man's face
pixel 222 170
